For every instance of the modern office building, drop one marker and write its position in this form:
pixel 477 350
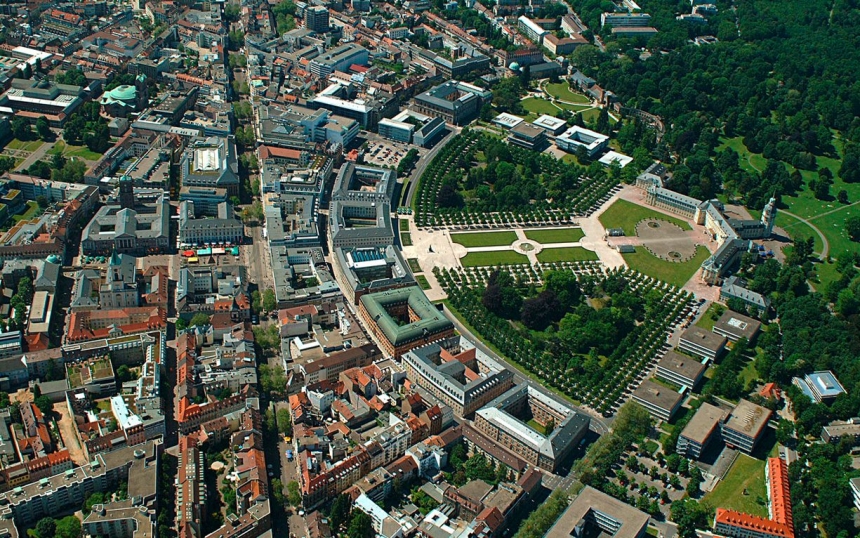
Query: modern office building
pixel 735 326
pixel 836 431
pixel 593 513
pixel 702 343
pixel 660 401
pixel 680 369
pixel 32 98
pixel 552 125
pixel 579 137
pixel 212 163
pixel 617 20
pixel 458 374
pixel 527 136
pixel 316 19
pixel 505 421
pixel 338 59
pixel 410 126
pixel 531 29
pixel 745 426
pixel 820 386
pixel 703 428
pixel 403 319
pixel 370 269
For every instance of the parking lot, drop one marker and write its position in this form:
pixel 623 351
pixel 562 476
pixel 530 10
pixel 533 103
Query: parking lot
pixel 386 153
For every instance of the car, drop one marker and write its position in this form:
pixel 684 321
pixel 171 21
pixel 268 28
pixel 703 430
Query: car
pixel 255 319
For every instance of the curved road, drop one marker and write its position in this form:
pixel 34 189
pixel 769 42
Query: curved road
pixel 424 161
pixel 825 245
pixel 597 422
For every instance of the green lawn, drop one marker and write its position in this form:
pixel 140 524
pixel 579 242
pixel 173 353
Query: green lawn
pixel 566 254
pixel 710 317
pixel 557 235
pixel 833 227
pixel 749 372
pixel 82 152
pixel 414 266
pixel 493 258
pixel 484 239
pixel 746 474
pixel 404 225
pixel 674 273
pixel 562 91
pixel 591 114
pixel 31 211
pixel 625 215
pixel 21 145
pixel 539 106
pixel 406 239
pixel 538 427
pixel 422 281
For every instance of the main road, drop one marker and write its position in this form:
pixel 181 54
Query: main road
pixel 598 424
pixel 424 161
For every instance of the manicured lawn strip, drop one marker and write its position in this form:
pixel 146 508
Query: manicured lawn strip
pixel 24 145
pixel 625 215
pixel 566 254
pixel 493 258
pixel 414 266
pixel 674 273
pixel 746 474
pixel 484 239
pixel 406 239
pixel 404 225
pixel 562 91
pixel 539 106
pixel 556 235
pixel 423 282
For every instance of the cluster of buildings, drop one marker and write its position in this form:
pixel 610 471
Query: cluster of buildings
pixel 734 236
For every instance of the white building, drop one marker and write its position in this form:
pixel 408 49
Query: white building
pixel 577 137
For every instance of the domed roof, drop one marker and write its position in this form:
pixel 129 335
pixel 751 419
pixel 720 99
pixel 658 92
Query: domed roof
pixel 514 66
pixel 53 258
pixel 121 94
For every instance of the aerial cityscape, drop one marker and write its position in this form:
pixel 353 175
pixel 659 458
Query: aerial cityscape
pixel 429 268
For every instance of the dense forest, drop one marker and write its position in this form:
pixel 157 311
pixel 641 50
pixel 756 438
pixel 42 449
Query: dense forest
pixel 782 77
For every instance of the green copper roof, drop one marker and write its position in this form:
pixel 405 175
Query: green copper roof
pixel 430 320
pixel 121 94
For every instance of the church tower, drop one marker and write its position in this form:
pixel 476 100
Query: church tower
pixel 768 216
pixel 126 193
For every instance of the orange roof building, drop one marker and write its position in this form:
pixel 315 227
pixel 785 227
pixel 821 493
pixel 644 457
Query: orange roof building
pixel 780 525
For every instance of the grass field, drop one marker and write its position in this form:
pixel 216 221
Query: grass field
pixel 81 152
pixel 493 258
pixel 414 266
pixel 538 427
pixel 707 321
pixel 21 145
pixel 625 215
pixel 539 106
pixel 406 239
pixel 31 211
pixel 566 254
pixel 562 91
pixel 674 273
pixel 746 474
pixel 557 235
pixel 404 225
pixel 484 239
pixel 422 281
pixel 591 115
